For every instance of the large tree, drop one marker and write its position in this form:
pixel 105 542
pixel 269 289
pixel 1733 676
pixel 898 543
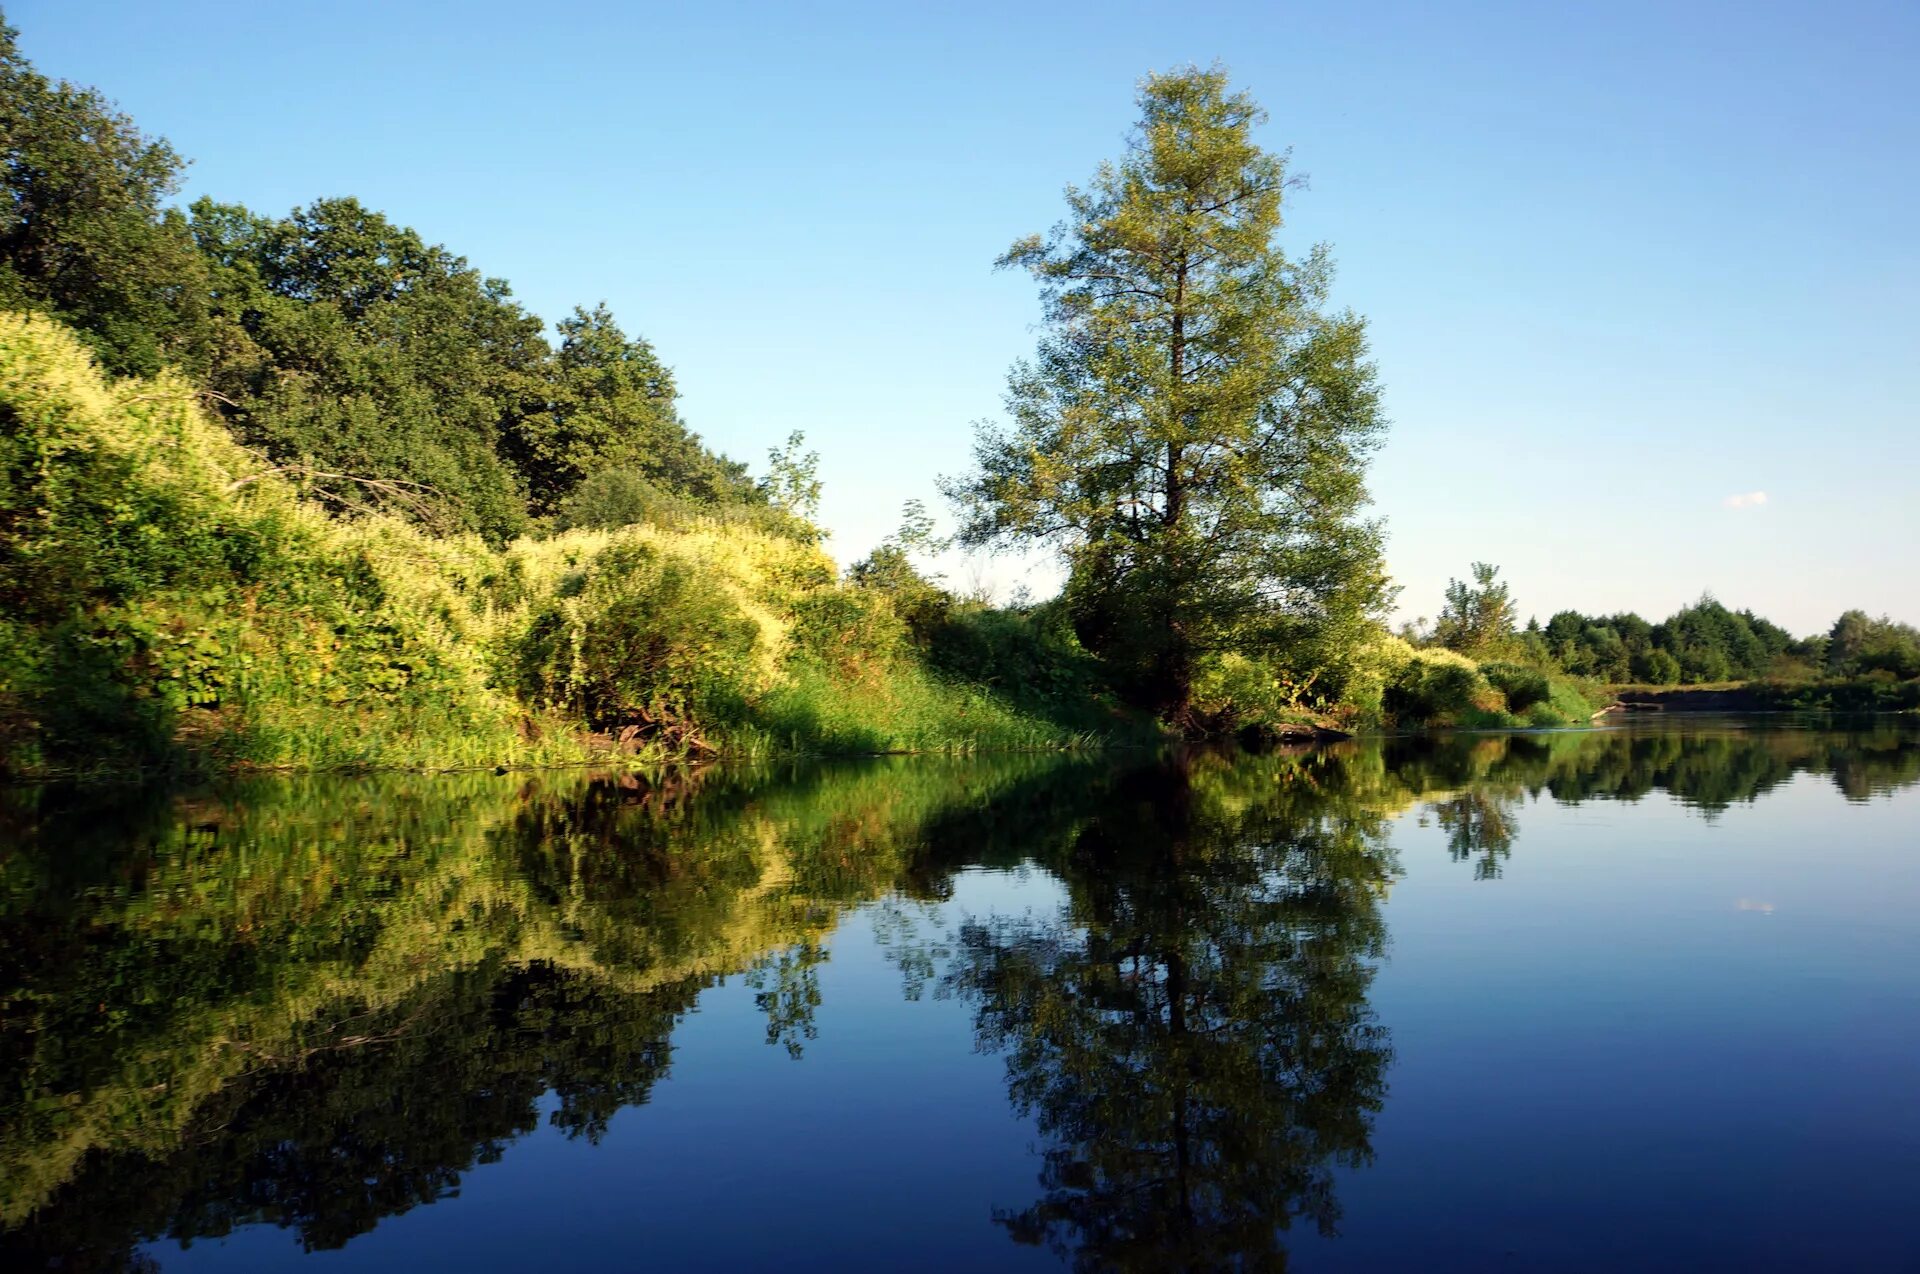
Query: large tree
pixel 1193 430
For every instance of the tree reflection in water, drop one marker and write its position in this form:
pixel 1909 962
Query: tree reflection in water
pixel 1191 1035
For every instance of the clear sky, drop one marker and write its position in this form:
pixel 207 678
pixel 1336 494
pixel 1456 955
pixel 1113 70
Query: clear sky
pixel 1643 278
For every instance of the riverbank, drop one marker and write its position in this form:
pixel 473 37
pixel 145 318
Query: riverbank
pixel 175 602
pixel 1835 694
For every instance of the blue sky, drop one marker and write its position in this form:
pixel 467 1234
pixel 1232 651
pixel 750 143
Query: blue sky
pixel 1623 262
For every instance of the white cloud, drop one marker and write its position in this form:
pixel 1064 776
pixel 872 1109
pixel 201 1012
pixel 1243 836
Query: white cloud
pixel 1746 500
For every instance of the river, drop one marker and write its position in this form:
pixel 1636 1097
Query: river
pixel 1645 997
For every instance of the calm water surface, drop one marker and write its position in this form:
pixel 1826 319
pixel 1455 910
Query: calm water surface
pixel 1644 999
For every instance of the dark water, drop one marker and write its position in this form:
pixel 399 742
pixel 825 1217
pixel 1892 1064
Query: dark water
pixel 1635 999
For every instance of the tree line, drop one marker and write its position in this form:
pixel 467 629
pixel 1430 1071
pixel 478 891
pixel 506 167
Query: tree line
pixel 1702 643
pixel 383 370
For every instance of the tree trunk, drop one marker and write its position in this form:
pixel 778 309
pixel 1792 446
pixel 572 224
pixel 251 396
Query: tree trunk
pixel 1173 671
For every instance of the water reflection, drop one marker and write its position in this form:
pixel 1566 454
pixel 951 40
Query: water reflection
pixel 317 1004
pixel 1191 1036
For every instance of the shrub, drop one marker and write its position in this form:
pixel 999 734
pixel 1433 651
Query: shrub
pixel 1441 687
pixel 1026 654
pixel 168 598
pixel 609 499
pixel 1523 687
pixel 644 640
pixel 847 630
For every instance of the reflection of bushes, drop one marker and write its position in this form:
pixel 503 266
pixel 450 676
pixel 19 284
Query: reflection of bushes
pixel 241 989
pixel 162 959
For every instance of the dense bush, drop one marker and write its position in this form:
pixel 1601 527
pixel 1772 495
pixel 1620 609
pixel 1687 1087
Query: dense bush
pixel 165 588
pixel 1655 668
pixel 643 640
pixel 1523 687
pixel 1441 687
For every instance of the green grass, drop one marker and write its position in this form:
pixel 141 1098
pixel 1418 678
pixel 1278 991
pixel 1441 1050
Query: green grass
pixel 906 708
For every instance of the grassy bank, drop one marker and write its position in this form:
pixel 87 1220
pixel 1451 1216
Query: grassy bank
pixel 173 600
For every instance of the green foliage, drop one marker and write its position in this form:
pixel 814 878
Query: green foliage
pixel 610 407
pixel 1701 643
pixel 1655 667
pixel 380 371
pixel 1235 692
pixel 614 498
pixel 1423 687
pixel 1442 687
pixel 171 599
pixel 639 640
pixel 889 570
pixel 792 483
pixel 1859 646
pixel 1706 643
pixel 354 350
pixel 1032 653
pixel 852 631
pixel 1193 429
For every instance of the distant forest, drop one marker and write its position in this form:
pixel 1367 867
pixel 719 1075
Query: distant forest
pixel 1703 643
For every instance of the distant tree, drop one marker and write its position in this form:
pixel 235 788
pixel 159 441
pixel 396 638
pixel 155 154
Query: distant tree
pixel 1858 645
pixel 1656 668
pixel 1193 430
pixel 1477 615
pixel 1847 638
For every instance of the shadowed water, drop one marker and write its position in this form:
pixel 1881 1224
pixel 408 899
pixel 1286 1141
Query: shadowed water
pixel 1642 998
